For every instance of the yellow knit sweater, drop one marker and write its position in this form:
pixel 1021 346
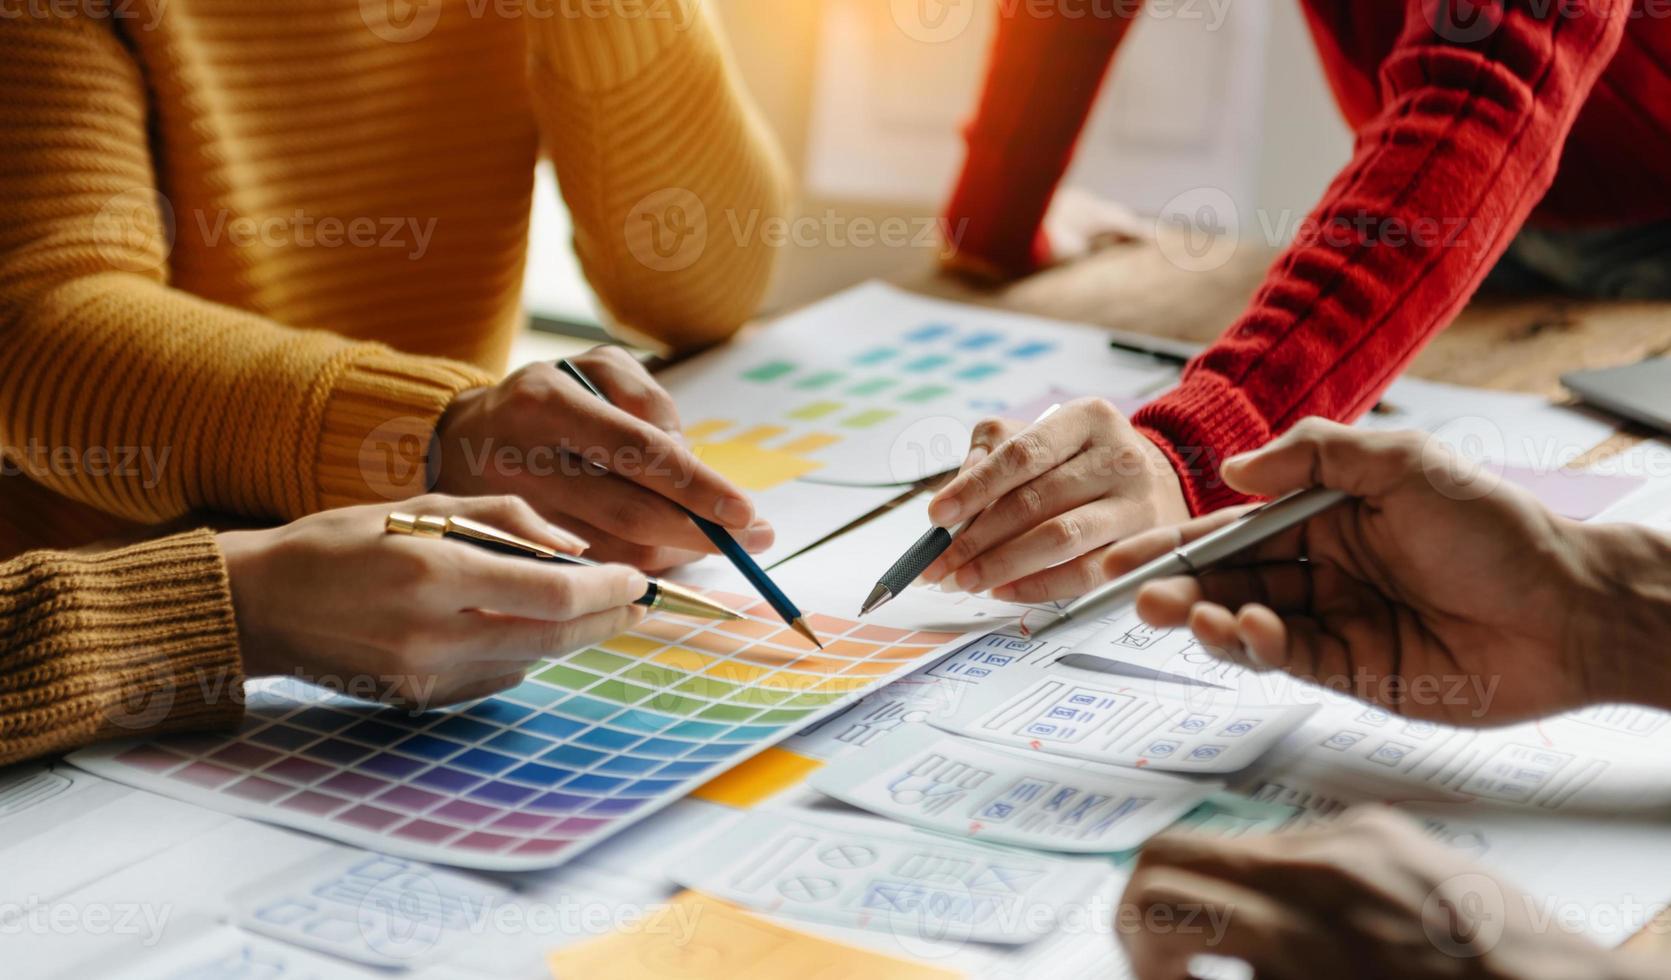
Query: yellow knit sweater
pixel 137 641
pixel 244 245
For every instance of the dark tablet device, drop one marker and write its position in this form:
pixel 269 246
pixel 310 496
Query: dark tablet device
pixel 1639 392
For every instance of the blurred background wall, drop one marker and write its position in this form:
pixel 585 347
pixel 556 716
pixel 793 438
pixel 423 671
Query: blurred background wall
pixel 867 98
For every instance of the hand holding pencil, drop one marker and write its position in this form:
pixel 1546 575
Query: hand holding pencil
pixel 534 434
pixel 721 538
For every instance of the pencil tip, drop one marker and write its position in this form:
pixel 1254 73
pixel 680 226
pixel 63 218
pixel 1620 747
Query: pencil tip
pixel 800 626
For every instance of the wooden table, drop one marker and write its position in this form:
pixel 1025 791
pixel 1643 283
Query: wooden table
pixel 1511 344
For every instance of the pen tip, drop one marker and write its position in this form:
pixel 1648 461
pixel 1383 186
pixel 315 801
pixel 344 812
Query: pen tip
pixel 877 597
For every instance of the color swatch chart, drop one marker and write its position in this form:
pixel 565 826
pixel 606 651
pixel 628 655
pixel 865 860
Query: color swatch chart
pixel 877 385
pixel 532 776
pixel 874 389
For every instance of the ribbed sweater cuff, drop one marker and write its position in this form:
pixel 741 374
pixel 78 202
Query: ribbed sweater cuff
pixel 138 641
pixel 1198 425
pixel 374 438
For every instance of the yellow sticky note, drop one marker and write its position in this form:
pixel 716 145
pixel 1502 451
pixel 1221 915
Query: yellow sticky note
pixel 810 443
pixel 751 466
pixel 760 778
pixel 700 938
pixel 706 429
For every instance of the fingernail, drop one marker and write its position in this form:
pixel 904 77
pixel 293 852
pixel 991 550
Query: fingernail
pixel 945 512
pixel 948 584
pixel 759 536
pixel 1004 593
pixel 568 538
pixel 968 578
pixel 734 512
pixel 975 456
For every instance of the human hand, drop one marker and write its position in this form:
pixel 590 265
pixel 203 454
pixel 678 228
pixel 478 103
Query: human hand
pixel 1077 223
pixel 1367 895
pixel 1056 494
pixel 1485 607
pixel 541 436
pixel 413 621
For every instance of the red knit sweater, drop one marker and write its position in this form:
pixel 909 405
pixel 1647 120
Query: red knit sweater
pixel 1560 113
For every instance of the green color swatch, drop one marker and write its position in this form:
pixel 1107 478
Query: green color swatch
pixel 872 386
pixel 620 692
pixel 926 393
pixel 565 676
pixel 865 420
pixel 603 663
pixel 979 372
pixel 770 371
pixel 820 380
pixel 816 410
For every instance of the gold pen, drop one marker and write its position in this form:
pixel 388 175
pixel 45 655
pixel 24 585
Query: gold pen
pixel 661 595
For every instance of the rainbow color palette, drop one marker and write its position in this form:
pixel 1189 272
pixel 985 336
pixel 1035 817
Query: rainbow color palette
pixel 530 777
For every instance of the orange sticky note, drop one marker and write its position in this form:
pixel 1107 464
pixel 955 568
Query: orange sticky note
pixel 701 938
pixel 760 778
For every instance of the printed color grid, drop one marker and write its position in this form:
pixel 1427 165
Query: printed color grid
pixel 530 777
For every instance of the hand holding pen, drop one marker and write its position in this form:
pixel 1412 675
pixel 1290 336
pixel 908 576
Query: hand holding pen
pixel 923 552
pixel 333 597
pixel 666 596
pixel 1055 495
pixel 1435 589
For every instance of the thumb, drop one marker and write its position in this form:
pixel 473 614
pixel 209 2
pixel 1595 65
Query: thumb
pixel 508 513
pixel 1317 452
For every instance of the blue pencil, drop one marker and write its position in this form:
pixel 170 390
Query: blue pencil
pixel 722 539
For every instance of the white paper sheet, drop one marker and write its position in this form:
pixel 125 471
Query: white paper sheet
pixel 940 688
pixel 1503 426
pixel 961 787
pixel 1127 722
pixel 1603 759
pixel 206 948
pixel 888 385
pixel 881 876
pixel 386 912
pixel 1650 505
pixel 1603 877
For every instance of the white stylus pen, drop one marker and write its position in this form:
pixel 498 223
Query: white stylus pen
pixel 1252 528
